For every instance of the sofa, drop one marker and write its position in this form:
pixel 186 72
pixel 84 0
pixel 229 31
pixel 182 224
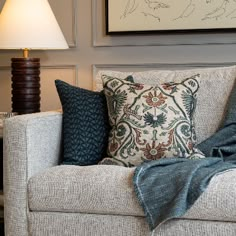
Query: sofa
pixel 43 197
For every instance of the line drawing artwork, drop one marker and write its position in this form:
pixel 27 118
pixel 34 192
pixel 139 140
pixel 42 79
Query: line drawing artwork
pixel 175 14
pixel 149 14
pixel 215 14
pixel 226 9
pixel 218 12
pixel 188 10
pixel 146 7
pixel 130 7
pixel 151 8
pixel 232 13
pixel 156 4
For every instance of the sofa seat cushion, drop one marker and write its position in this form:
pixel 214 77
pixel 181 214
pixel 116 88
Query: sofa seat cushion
pixel 101 189
pixel 105 189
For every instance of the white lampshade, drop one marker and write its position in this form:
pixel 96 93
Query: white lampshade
pixel 29 24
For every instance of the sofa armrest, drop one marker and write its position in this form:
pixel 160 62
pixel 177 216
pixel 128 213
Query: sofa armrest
pixel 31 143
pixel 34 139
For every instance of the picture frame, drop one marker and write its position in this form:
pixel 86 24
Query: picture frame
pixel 169 16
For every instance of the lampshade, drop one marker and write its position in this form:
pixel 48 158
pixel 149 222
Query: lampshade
pixel 29 24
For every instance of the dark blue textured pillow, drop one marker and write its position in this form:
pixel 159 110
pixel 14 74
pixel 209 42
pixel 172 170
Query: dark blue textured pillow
pixel 85 124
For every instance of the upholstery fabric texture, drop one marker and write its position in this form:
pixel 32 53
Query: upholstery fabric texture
pixel 25 137
pixel 115 225
pixel 213 82
pixel 32 145
pixel 150 122
pixel 85 124
pixel 48 192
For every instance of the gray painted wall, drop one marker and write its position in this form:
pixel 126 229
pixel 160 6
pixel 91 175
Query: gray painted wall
pixel 83 24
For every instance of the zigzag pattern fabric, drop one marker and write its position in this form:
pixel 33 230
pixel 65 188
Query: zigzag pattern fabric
pixel 85 124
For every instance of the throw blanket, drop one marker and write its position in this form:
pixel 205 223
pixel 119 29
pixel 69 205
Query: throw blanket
pixel 167 188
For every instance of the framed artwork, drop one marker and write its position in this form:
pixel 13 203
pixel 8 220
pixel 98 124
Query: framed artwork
pixel 165 16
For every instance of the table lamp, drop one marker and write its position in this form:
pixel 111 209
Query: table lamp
pixel 27 25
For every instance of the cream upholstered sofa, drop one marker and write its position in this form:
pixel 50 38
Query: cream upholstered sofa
pixel 43 197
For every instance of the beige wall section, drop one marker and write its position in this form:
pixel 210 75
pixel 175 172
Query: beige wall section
pixel 5 89
pixel 91 46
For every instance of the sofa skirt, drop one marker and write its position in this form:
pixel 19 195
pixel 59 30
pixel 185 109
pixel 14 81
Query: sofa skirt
pixel 75 224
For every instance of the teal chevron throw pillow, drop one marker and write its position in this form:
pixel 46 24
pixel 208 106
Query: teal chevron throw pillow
pixel 150 122
pixel 85 124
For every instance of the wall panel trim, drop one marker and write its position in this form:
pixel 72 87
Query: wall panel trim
pixel 42 67
pixel 155 66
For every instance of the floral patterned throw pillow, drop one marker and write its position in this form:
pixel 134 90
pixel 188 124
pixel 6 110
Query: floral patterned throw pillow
pixel 150 122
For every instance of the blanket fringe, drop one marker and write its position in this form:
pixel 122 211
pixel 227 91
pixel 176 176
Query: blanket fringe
pixel 152 233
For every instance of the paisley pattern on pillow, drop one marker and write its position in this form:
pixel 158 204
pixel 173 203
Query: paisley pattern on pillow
pixel 150 122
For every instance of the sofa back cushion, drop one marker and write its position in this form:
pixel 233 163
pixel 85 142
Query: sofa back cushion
pixel 215 86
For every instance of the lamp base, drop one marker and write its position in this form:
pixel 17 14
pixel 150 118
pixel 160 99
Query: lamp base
pixel 25 85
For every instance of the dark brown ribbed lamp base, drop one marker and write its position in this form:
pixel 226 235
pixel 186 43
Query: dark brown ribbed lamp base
pixel 25 85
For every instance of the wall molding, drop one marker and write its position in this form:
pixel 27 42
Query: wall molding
pixel 100 39
pixel 66 67
pixel 68 12
pixel 5 68
pixel 49 96
pixel 74 42
pixel 52 67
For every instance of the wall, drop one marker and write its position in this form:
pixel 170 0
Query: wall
pixel 83 24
